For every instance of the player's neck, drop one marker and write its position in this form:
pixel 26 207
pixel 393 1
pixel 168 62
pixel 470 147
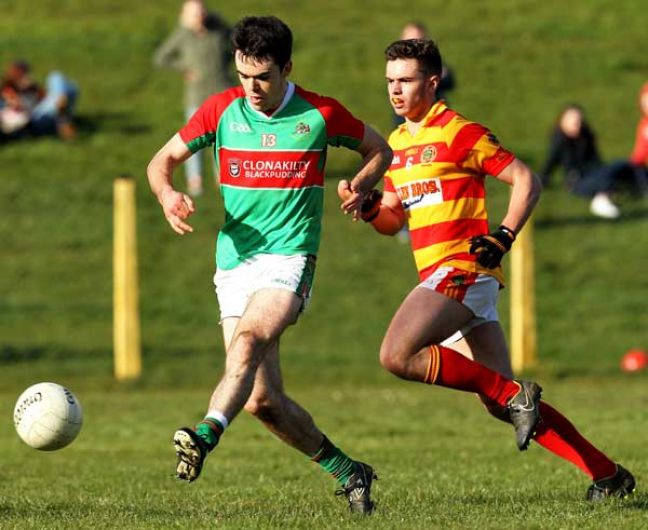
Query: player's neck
pixel 415 122
pixel 269 112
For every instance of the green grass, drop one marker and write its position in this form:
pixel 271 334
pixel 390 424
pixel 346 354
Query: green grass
pixel 443 462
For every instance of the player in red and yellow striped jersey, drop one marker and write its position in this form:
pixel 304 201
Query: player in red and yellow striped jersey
pixel 446 332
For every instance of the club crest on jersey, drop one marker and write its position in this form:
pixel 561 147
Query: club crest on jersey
pixel 234 167
pixel 428 154
pixel 302 129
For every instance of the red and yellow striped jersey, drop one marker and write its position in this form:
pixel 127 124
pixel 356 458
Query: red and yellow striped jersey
pixel 439 174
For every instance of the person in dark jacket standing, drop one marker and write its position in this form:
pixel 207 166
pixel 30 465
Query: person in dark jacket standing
pixel 199 48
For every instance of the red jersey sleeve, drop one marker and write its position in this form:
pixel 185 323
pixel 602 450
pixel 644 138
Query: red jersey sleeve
pixel 200 130
pixel 485 154
pixel 342 127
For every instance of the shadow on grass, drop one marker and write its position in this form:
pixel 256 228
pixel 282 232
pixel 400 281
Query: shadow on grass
pixel 14 354
pixel 118 122
pixel 637 501
pixel 87 125
pixel 571 220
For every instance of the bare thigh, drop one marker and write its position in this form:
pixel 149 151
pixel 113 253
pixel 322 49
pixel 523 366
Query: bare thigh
pixel 425 317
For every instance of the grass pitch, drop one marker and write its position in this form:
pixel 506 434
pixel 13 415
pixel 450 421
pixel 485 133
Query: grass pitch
pixel 443 463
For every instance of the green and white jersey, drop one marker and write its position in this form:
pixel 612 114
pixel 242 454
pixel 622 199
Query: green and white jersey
pixel 271 168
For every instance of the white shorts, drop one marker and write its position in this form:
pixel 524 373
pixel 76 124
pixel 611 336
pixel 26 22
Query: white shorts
pixel 478 292
pixel 234 287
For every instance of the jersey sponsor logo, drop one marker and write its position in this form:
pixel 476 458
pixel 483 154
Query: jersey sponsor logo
pixel 268 169
pixel 238 127
pixel 253 168
pixel 420 193
pixel 234 167
pixel 396 160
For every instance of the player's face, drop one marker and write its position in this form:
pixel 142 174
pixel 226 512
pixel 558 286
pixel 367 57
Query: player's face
pixel 263 81
pixel 411 92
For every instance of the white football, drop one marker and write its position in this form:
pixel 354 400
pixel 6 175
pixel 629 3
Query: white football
pixel 47 416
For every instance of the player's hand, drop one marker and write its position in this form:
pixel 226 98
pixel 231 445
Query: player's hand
pixel 177 208
pixel 490 248
pixel 352 199
pixel 371 206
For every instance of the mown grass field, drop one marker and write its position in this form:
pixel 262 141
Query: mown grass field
pixel 443 463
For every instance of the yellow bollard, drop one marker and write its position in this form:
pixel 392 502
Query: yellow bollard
pixel 523 318
pixel 126 326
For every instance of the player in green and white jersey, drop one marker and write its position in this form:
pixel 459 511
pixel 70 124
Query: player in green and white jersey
pixel 269 138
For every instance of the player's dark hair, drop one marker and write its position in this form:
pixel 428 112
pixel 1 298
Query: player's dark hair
pixel 425 51
pixel 263 38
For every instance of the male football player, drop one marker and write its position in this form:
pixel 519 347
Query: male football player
pixel 270 138
pixel 446 332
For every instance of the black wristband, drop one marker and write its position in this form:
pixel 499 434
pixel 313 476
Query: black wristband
pixel 373 216
pixel 507 231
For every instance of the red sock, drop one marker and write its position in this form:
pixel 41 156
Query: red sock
pixel 556 434
pixel 451 369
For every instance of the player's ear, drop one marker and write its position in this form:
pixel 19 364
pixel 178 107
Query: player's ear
pixel 287 68
pixel 434 80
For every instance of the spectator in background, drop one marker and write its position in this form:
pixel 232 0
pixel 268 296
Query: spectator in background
pixel 199 48
pixel 28 109
pixel 573 147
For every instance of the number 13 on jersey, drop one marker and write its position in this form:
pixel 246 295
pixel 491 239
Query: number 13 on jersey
pixel 268 140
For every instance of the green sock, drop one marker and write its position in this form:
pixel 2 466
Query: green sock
pixel 210 430
pixel 334 461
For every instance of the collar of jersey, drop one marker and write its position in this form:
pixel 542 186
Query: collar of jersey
pixel 290 90
pixel 435 111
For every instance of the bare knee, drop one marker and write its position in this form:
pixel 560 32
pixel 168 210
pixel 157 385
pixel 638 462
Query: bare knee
pixel 247 350
pixel 264 407
pixel 393 358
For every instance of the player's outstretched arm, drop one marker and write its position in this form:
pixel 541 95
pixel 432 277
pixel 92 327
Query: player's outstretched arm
pixel 177 206
pixel 376 159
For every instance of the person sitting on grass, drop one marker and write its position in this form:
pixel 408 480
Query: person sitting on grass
pixel 28 109
pixel 573 147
